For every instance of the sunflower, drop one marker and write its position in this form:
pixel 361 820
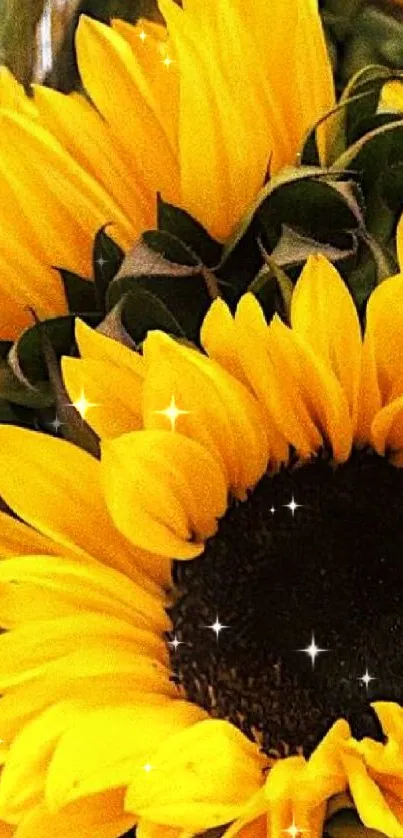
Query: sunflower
pixel 265 469
pixel 199 113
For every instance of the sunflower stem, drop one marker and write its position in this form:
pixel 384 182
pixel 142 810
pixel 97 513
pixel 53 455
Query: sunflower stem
pixel 211 283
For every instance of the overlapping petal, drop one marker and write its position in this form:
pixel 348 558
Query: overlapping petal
pixel 199 778
pixel 155 487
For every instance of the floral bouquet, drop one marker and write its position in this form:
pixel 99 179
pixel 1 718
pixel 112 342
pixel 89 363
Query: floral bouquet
pixel 201 384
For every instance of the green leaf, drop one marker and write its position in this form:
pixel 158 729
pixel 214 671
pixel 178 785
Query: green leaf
pixel 319 209
pixel 180 224
pixel 107 258
pixel 350 118
pixel 373 154
pixel 171 248
pixel 185 297
pixel 288 175
pixel 293 248
pixel 27 355
pixel 80 292
pixel 12 389
pixel 141 311
pixel 7 413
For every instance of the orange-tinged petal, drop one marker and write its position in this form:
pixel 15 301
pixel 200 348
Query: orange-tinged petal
pixel 219 411
pixel 297 790
pixel 114 395
pixel 101 815
pixel 98 45
pixel 215 131
pixel 119 742
pixel 384 335
pixel 251 341
pixel 146 829
pixel 17 539
pixel 319 403
pixel 158 83
pixel 57 503
pixel 95 346
pixel 218 338
pixel 324 316
pixel 161 488
pixel 387 430
pixel 67 206
pixel 199 778
pixel 373 809
pixel 86 137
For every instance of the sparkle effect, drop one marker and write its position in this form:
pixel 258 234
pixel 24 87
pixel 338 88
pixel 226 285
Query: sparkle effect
pixel 175 643
pixel 82 405
pixel 142 35
pixel 167 61
pixel 293 830
pixel 313 651
pixel 56 424
pixel 292 506
pixel 172 412
pixel 217 627
pixel 101 262
pixel 366 679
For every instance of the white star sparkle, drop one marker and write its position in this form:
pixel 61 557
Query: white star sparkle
pixel 366 678
pixel 272 510
pixel 175 642
pixel 147 767
pixel 293 830
pixel 313 651
pixel 101 262
pixel 82 405
pixel 56 424
pixel 292 506
pixel 142 35
pixel 217 627
pixel 172 412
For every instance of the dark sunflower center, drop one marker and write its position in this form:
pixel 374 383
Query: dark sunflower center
pixel 332 571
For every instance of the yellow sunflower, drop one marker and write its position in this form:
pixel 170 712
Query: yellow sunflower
pixel 199 112
pixel 283 435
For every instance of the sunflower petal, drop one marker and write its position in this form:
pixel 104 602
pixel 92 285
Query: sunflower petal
pixel 95 346
pixel 100 46
pixel 218 338
pixel 86 138
pixel 119 742
pixel 162 487
pixel 56 503
pixel 219 412
pixel 96 587
pixel 324 316
pixel 318 403
pixel 101 815
pixel 199 778
pixel 372 807
pixel 114 395
pixel 67 205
